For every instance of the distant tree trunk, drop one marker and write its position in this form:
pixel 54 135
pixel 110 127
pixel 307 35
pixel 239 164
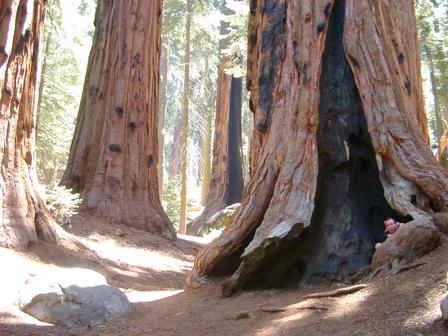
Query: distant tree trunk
pixel 185 123
pixel 23 215
pixel 162 117
pixel 206 172
pixel 114 153
pixel 339 143
pixel 443 157
pixel 177 144
pixel 439 124
pixel 226 184
pixel 42 79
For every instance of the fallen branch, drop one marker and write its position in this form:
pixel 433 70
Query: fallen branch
pixel 337 292
pixel 283 309
pixel 274 309
pixel 408 267
pixel 314 307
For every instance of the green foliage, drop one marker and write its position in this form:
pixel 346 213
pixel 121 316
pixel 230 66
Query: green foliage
pixel 432 19
pixel 208 44
pixel 59 93
pixel 62 203
pixel 236 37
pixel 171 199
pixel 204 47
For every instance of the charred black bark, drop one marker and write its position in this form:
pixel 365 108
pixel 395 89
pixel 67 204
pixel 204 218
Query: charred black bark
pixel 235 170
pixel 349 206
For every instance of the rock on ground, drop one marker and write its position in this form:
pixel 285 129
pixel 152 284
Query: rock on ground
pixel 220 220
pixel 411 241
pixel 72 298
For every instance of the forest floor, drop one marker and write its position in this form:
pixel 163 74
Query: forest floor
pixel 151 271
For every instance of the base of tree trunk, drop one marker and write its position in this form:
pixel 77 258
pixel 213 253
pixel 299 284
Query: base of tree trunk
pixel 137 214
pixel 18 228
pixel 349 204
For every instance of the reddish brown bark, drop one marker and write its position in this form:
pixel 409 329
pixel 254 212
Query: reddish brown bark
pixel 226 184
pixel 113 157
pixel 23 215
pixel 371 51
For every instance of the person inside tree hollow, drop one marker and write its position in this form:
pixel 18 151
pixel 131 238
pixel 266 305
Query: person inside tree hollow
pixel 391 226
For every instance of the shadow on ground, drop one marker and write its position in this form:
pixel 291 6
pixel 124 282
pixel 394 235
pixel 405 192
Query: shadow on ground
pixel 403 304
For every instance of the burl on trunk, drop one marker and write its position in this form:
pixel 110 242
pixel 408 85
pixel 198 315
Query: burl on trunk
pixel 113 157
pixel 339 143
pixel 23 215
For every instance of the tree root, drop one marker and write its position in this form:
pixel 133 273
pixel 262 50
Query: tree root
pixel 337 292
pixel 407 267
pixel 283 309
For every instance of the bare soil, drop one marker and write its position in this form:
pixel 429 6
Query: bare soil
pixel 151 270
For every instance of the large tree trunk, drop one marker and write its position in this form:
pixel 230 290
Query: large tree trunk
pixel 23 215
pixel 340 143
pixel 113 157
pixel 226 184
pixel 185 123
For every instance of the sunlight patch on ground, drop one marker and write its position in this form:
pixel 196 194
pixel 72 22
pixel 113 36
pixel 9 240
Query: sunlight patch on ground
pixel 17 270
pixel 135 296
pixel 338 307
pixel 109 249
pixel 427 310
pixel 350 304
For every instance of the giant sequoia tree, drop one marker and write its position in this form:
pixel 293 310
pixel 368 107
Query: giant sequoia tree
pixel 339 143
pixel 113 157
pixel 23 215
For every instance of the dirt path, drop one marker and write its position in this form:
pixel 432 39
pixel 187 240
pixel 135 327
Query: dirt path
pixel 151 273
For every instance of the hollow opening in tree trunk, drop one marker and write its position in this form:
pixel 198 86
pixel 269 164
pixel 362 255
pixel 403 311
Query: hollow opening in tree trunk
pixel 349 205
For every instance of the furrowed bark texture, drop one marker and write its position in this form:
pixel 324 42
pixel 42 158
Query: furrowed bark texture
pixel 113 157
pixel 226 184
pixel 23 215
pixel 336 93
